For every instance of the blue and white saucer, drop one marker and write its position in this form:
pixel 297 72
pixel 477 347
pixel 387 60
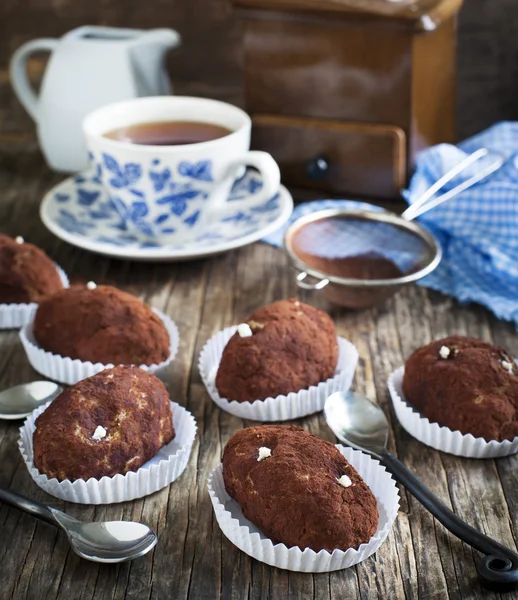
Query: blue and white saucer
pixel 80 212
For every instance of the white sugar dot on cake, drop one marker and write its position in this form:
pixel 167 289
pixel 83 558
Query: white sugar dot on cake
pixel 444 352
pixel 344 481
pixel 264 453
pixel 91 285
pixel 244 330
pixel 508 366
pixel 99 433
pixel 19 239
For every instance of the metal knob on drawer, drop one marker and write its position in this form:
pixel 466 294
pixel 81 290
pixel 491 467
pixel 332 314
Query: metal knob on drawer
pixel 317 167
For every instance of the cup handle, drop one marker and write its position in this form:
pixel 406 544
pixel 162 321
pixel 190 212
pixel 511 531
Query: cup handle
pixel 18 72
pixel 270 175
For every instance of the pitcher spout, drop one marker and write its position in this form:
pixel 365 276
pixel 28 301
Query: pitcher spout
pixel 148 59
pixel 162 39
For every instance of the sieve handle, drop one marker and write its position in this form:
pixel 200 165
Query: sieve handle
pixel 426 202
pixel 305 285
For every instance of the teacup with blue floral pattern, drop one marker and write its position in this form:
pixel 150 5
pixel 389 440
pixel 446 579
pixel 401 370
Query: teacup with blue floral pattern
pixel 176 190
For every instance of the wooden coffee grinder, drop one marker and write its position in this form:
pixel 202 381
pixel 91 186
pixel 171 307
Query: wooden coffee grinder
pixel 344 93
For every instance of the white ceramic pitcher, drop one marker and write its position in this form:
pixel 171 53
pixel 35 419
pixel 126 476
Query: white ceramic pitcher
pixel 88 67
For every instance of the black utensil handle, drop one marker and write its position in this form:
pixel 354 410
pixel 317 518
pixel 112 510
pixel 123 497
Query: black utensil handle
pixel 26 504
pixel 499 568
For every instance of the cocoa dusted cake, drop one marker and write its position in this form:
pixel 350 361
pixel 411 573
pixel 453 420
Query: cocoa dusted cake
pixel 465 384
pixel 27 274
pixel 298 489
pixel 110 423
pixel 283 347
pixel 101 324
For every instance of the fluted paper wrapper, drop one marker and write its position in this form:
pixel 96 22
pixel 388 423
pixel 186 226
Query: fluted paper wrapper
pixel 281 408
pixel 14 316
pixel 166 466
pixel 70 371
pixel 441 437
pixel 248 538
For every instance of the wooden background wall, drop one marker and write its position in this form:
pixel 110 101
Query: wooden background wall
pixel 209 61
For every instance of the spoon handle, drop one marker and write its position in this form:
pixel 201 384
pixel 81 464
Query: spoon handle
pixel 499 568
pixel 26 504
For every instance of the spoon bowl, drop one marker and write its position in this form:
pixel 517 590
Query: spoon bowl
pixel 19 401
pixel 357 421
pixel 109 541
pixel 104 542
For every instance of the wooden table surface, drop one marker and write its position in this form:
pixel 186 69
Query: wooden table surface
pixel 420 559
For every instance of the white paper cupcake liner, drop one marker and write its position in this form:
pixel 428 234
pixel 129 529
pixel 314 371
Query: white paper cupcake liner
pixel 281 408
pixel 441 437
pixel 14 316
pixel 70 371
pixel 166 466
pixel 248 538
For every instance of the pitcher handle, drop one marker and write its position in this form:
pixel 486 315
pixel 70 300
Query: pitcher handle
pixel 18 72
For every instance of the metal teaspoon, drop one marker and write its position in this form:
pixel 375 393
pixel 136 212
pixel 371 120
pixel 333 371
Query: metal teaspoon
pixel 105 542
pixel 360 423
pixel 19 401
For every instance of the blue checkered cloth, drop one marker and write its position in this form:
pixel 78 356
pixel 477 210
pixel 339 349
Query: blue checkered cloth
pixel 478 230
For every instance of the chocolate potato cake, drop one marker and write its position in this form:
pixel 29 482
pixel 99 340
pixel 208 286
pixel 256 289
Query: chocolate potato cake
pixel 298 489
pixel 27 274
pixel 283 347
pixel 110 423
pixel 102 325
pixel 465 384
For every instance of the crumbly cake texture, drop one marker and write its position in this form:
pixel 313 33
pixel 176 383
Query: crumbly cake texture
pixel 102 325
pixel 465 384
pixel 27 274
pixel 110 423
pixel 292 347
pixel 295 495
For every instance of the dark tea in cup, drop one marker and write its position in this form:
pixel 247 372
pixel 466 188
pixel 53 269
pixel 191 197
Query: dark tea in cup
pixel 168 133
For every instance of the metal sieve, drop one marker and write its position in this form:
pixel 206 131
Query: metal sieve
pixel 361 257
